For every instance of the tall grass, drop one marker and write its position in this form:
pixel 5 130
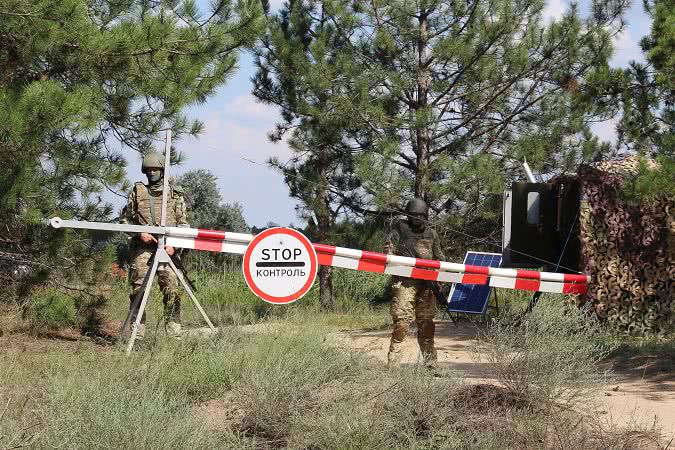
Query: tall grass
pixel 284 388
pixel 550 355
pixel 228 301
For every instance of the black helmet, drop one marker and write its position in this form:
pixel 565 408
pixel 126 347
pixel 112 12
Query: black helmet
pixel 152 161
pixel 417 206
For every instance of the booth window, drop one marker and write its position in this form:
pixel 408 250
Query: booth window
pixel 533 208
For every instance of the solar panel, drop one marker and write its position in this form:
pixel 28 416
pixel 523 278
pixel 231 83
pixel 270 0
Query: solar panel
pixel 473 298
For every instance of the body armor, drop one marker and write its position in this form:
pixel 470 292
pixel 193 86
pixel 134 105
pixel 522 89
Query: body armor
pixel 415 244
pixel 148 207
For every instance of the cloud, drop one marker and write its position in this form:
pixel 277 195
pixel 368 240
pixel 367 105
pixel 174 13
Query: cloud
pixel 225 148
pixel 226 138
pixel 553 10
pixel 235 131
pixel 626 49
pixel 248 108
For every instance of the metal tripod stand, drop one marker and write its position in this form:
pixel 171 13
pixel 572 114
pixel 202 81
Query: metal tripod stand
pixel 160 257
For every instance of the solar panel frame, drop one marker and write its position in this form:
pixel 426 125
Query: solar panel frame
pixel 473 295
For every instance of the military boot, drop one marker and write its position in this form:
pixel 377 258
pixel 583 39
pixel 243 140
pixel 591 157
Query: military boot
pixel 173 329
pixel 430 359
pixel 172 315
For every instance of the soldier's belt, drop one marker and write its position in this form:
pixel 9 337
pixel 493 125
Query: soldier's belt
pixel 328 255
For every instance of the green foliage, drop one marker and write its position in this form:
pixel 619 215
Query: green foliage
pixel 642 96
pixel 466 90
pixel 81 81
pixel 306 67
pixel 651 182
pixel 228 301
pixel 550 355
pixel 438 99
pixel 77 299
pixel 659 45
pixel 50 309
pixel 204 203
pixel 275 385
pixel 206 210
pixel 106 413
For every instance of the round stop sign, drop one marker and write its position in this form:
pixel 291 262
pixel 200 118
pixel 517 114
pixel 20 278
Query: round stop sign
pixel 280 265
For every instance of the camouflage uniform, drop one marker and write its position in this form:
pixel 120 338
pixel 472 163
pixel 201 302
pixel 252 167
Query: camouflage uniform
pixel 413 299
pixel 144 206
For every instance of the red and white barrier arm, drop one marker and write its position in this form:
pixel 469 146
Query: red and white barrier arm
pixel 208 240
pixel 423 269
pixel 328 255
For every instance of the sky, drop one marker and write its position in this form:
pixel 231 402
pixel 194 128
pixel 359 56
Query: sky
pixel 236 127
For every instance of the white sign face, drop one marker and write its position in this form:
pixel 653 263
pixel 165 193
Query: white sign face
pixel 280 265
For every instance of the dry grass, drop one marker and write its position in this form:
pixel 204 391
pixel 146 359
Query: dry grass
pixel 289 387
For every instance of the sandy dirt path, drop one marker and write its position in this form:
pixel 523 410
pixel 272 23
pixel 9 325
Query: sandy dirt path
pixel 639 394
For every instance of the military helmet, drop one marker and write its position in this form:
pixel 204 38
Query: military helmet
pixel 152 161
pixel 417 206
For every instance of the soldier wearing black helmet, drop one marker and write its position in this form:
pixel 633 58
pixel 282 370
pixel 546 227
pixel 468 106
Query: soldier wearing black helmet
pixel 413 299
pixel 144 207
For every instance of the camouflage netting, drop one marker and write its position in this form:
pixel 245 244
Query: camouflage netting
pixel 629 251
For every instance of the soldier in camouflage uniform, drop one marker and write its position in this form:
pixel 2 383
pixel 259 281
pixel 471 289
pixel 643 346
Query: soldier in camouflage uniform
pixel 411 298
pixel 144 207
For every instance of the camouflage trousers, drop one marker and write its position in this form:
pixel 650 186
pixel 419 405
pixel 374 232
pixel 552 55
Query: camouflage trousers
pixel 412 299
pixel 168 284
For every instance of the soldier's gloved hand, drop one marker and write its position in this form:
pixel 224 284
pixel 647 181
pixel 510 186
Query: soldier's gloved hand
pixel 169 250
pixel 148 238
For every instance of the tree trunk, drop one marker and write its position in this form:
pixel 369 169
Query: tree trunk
pixel 322 211
pixel 326 299
pixel 422 133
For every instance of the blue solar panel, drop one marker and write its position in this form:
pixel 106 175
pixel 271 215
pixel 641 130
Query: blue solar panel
pixel 473 298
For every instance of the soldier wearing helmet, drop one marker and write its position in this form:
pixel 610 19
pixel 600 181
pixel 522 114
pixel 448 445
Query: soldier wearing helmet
pixel 144 207
pixel 413 299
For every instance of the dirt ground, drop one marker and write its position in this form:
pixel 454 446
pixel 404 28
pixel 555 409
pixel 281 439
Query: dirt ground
pixel 641 394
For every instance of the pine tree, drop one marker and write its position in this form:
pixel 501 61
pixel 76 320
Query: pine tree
pixel 305 68
pixel 647 125
pixel 648 122
pixel 642 99
pixel 82 82
pixel 467 89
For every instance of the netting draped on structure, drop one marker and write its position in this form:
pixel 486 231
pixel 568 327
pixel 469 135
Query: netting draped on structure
pixel 628 250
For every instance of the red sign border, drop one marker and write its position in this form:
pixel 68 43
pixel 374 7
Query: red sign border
pixel 312 258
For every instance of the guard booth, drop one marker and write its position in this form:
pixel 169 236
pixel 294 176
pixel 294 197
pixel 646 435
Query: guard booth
pixel 540 230
pixel 541 226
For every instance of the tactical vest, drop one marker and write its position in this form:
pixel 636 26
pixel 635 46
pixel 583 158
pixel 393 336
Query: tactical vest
pixel 149 205
pixel 415 244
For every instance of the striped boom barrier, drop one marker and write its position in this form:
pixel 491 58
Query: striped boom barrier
pixel 328 255
pixel 422 269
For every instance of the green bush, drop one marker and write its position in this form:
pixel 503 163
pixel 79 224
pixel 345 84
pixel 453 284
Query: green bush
pixel 550 355
pixel 281 381
pixel 51 309
pixel 106 413
pixel 418 407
